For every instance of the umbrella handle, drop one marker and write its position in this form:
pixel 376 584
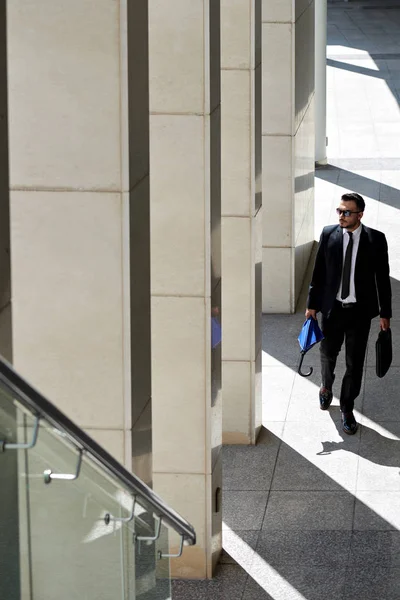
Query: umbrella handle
pixel 300 365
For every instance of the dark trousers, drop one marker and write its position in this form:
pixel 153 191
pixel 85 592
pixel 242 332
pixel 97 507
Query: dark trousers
pixel 349 325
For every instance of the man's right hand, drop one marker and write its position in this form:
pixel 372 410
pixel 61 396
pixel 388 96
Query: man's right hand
pixel 310 312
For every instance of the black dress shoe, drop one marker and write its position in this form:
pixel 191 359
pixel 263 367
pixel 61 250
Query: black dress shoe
pixel 325 398
pixel 349 424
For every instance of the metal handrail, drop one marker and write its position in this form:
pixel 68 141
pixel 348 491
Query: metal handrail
pixel 37 404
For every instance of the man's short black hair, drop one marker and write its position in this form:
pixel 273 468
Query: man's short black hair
pixel 359 200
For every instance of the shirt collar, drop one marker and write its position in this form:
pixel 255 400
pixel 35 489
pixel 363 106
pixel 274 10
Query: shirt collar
pixel 356 232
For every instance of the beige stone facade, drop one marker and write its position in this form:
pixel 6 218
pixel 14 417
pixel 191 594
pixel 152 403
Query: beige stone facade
pixel 241 219
pixel 138 156
pixel 185 194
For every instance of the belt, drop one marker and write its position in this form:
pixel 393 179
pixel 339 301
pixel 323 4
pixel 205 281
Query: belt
pixel 346 304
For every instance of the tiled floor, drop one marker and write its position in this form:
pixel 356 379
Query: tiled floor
pixel 310 513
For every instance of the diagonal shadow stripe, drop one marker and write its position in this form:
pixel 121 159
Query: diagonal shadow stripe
pixel 385 76
pixel 354 68
pixel 290 531
pixel 363 185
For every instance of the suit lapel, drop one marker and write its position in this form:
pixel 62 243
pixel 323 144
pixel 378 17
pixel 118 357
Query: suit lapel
pixel 339 251
pixel 362 261
pixel 362 247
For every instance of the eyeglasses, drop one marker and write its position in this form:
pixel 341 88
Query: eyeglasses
pixel 347 213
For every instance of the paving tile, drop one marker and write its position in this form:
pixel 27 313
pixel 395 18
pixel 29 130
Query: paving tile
pixel 229 582
pixel 236 472
pixel 395 549
pixel 336 39
pixel 316 458
pixel 189 590
pixel 270 436
pixel 276 390
pixel 294 472
pixel 354 35
pixel 345 24
pixel 375 549
pixel 393 588
pixel 228 454
pixel 245 479
pixel 279 340
pixel 370 29
pixel 377 510
pixel 273 427
pixel 390 193
pixel 360 163
pixel 291 583
pixel 309 511
pixel 304 548
pixel 367 184
pixel 304 401
pixel 371 583
pixel 243 510
pixel 380 395
pixel 254 591
pixel 328 173
pixel 379 465
pixel 239 547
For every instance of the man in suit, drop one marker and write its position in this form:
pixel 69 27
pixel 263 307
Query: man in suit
pixel 350 285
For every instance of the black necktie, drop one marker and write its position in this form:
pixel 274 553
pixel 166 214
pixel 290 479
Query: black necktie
pixel 347 268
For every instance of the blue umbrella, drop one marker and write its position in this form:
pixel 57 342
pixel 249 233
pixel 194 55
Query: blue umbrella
pixel 310 335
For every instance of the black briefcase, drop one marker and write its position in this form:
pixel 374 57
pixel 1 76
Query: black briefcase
pixel 383 348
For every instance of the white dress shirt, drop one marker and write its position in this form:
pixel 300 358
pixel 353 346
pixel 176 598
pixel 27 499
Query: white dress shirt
pixel 356 241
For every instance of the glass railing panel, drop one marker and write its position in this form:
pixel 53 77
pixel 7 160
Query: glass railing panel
pixel 84 538
pixel 10 559
pixel 152 569
pixel 74 523
pixel 163 565
pixel 74 553
pixel 36 403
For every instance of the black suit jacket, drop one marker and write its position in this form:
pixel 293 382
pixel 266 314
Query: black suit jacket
pixel 371 276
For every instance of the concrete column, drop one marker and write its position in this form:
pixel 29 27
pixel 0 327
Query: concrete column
pixel 288 150
pixel 185 268
pixel 79 176
pixel 241 219
pixel 5 264
pixel 321 18
pixel 10 563
pixel 79 186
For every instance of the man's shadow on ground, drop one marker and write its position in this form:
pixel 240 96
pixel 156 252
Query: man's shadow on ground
pixel 373 446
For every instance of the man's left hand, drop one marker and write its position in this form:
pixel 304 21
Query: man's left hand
pixel 385 324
